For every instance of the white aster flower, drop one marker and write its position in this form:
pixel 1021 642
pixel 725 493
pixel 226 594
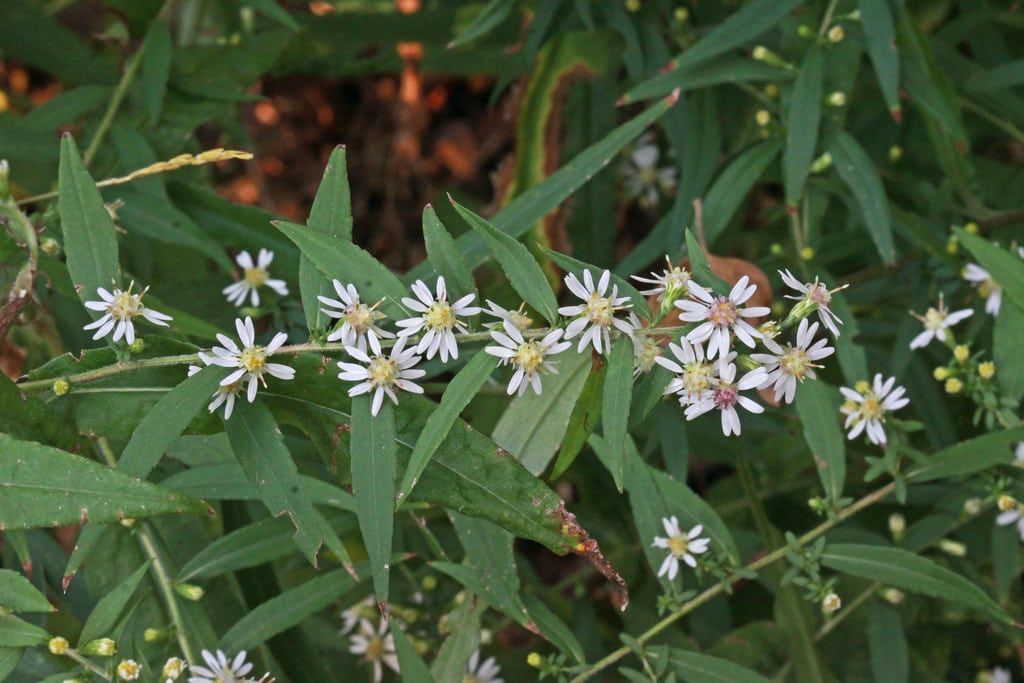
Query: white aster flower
pixel 721 316
pixel 173 668
pixel 376 646
pixel 597 312
pixel 646 351
pixel 725 396
pixel 120 309
pixel 254 276
pixel 788 366
pixel 249 362
pixel 1010 512
pixel 351 617
pixel 382 374
pixel 517 317
pixel 219 670
pixel 693 373
pixel 1018 454
pixel 224 395
pixel 988 288
pixel 866 406
pixel 128 670
pixel 359 320
pixel 486 671
pixel 817 297
pixel 672 281
pixel 680 546
pixel 438 317
pixel 528 357
pixel 642 177
pixel 936 321
pixel 999 675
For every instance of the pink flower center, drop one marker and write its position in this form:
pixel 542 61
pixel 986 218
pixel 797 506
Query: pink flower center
pixel 725 396
pixel 819 294
pixel 723 312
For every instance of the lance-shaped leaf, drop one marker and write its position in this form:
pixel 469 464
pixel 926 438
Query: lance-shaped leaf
pixel 488 18
pixel 444 256
pixel 519 265
pixel 1006 268
pixel 858 172
pixel 27 417
pixel 17 594
pixel 42 486
pixel 880 34
pixel 695 667
pixel 89 239
pixel 108 610
pixel 582 421
pixel 700 270
pixel 15 632
pixel 967 457
pixel 802 121
pixel 259 448
pixel 731 187
pixel 817 406
pixel 411 665
pixel 887 644
pixel 1006 336
pixel 618 393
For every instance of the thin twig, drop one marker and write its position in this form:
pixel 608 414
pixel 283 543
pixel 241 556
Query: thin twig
pixel 115 104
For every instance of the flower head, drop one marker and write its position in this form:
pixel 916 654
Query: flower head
pixel 486 671
pixel 936 321
pixel 517 317
pixel 721 316
pixel 867 405
pixel 358 321
pixel 671 282
pixel 439 318
pixel 646 351
pixel 173 668
pixel 680 546
pixel 254 276
pixel 249 362
pixel 814 296
pixel 382 374
pixel 997 675
pixel 376 646
pixel 596 315
pixel 1010 512
pixel 351 617
pixel 219 670
pixel 786 366
pixel 642 177
pixel 120 309
pixel 128 670
pixel 528 357
pixel 694 373
pixel 224 395
pixel 725 396
pixel 831 603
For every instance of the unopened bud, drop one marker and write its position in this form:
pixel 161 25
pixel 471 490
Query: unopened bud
pixel 49 246
pixel 189 591
pixel 533 659
pixel 862 386
pixel 897 525
pixel 137 346
pixel 836 34
pixel 961 352
pixel 173 668
pixel 952 246
pixel 837 99
pixel 807 253
pixel 971 228
pixel 954 548
pixel 681 14
pixel 58 645
pixel 831 603
pixel 805 31
pixel 893 595
pixel 763 117
pixel 760 53
pixel 895 153
pixel 61 387
pixel 954 386
pixel 129 670
pixel 972 506
pixel 429 582
pixel 155 635
pixel 486 636
pixel 128 522
pixel 987 370
pixel 633 5
pixel 776 249
pixel 822 163
pixel 771 90
pixel 101 647
pixel 941 374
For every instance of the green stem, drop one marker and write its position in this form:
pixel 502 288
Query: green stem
pixel 120 91
pixel 88 664
pixel 706 596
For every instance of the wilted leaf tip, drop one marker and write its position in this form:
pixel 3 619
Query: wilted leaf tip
pixel 587 547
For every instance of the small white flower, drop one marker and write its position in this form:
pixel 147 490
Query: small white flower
pixel 989 290
pixel 680 546
pixel 486 671
pixel 597 312
pixel 224 395
pixel 1010 512
pixel 818 296
pixel 359 320
pixel 866 406
pixel 517 317
pixel 1018 454
pixel 999 675
pixel 936 321
pixel 528 357
pixel 642 177
pixel 353 615
pixel 788 366
pixel 249 362
pixel 694 374
pixel 376 646
pixel 672 280
pixel 646 351
pixel 382 374
pixel 725 395
pixel 721 316
pixel 254 276
pixel 120 309
pixel 219 670
pixel 173 668
pixel 438 317
pixel 128 670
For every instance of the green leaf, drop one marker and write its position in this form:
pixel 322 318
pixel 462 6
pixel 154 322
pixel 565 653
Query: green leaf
pixel 10 657
pixel 444 256
pixel 890 662
pixel 489 567
pixel 532 426
pixel 967 457
pixel 553 628
pixel 817 405
pixel 618 393
pixel 858 172
pixel 411 665
pixel 287 609
pixel 227 481
pixel 1008 331
pixel 26 417
pixel 89 239
pixel 373 484
pixel 700 668
pixel 519 265
pixel 17 594
pixel 259 448
pixel 733 184
pixel 802 121
pixel 337 258
pixel 272 10
pixel 108 610
pixel 751 20
pixel 880 34
pixel 44 487
pixel 723 69
pixel 331 215
pixel 523 212
pixel 457 395
pixel 15 632
pixel 582 421
pixel 157 52
pixel 1006 268
pixel 700 271
pixel 576 267
pixel 464 626
pixel 491 16
pixel 910 572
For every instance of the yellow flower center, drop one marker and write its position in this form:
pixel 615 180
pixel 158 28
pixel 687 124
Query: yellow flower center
pixel 253 359
pixel 125 306
pixel 650 351
pixel 599 310
pixel 819 294
pixel 470 678
pixel 529 357
pixel 987 287
pixel 254 277
pixel 933 319
pixel 375 649
pixel 359 316
pixel 678 545
pixel 382 371
pixel 520 320
pixel 723 312
pixel 794 361
pixel 440 316
pixel 1006 503
pixel 128 670
pixel 871 408
pixel 697 376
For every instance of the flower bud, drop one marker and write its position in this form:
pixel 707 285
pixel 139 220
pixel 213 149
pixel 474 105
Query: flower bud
pixel 987 370
pixel 137 346
pixel 189 591
pixel 128 522
pixel 49 246
pixel 771 90
pixel 952 246
pixel 155 635
pixel 836 99
pixel 807 253
pixel 173 668
pixel 58 645
pixel 61 387
pixel 429 582
pixel 533 659
pixel 805 31
pixel 954 386
pixel 822 163
pixel 971 228
pixel 486 636
pixel 941 374
pixel 633 5
pixel 761 53
pixel 776 249
pixel 101 647
pixel 836 34
pixel 129 670
pixel 893 596
pixel 895 153
pixel 862 386
pixel 972 506
pixel 831 603
pixel 1005 503
pixel 954 548
pixel 5 180
pixel 897 525
pixel 961 352
pixel 763 117
pixel 681 14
